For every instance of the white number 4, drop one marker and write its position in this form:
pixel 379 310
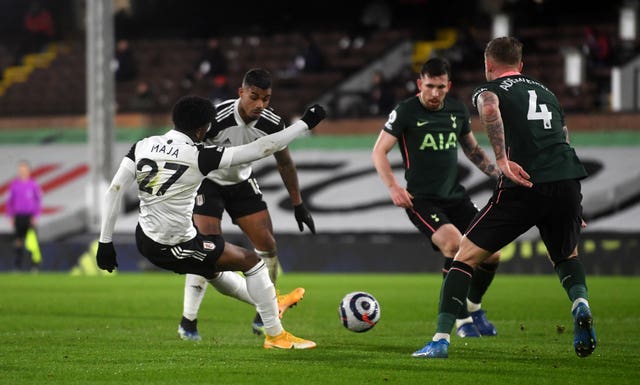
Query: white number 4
pixel 534 114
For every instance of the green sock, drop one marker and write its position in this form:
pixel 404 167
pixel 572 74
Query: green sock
pixel 445 323
pixel 453 295
pixel 573 278
pixel 463 313
pixel 482 278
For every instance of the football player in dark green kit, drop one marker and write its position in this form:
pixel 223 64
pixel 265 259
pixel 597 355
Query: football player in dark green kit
pixel 539 186
pixel 428 128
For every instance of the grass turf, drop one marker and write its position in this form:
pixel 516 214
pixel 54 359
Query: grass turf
pixel 58 329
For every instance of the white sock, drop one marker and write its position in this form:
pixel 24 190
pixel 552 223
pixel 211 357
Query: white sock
pixel 233 285
pixel 577 302
pixel 438 336
pixel 471 307
pixel 463 321
pixel 263 293
pixel 270 259
pixel 194 288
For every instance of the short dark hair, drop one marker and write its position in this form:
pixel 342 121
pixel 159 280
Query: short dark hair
pixel 436 67
pixel 192 112
pixel 506 50
pixel 257 77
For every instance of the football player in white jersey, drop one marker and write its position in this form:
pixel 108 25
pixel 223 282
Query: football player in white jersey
pixel 168 170
pixel 235 189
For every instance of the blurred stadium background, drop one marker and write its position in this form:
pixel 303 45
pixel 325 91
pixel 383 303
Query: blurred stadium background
pixel 79 86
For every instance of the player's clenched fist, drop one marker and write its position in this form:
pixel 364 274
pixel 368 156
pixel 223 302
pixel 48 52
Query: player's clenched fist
pixel 313 115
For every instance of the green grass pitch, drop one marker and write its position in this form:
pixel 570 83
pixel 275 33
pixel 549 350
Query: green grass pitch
pixel 59 329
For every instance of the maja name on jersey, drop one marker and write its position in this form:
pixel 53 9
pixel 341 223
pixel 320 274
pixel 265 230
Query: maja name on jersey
pixel 169 150
pixel 437 141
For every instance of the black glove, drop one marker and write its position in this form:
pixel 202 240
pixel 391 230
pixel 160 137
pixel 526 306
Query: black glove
pixel 313 115
pixel 304 216
pixel 106 256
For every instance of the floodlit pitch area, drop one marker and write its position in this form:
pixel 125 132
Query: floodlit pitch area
pixel 59 329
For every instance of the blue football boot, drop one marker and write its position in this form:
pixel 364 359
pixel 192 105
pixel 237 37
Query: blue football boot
pixel 434 349
pixel 485 327
pixel 584 336
pixel 468 330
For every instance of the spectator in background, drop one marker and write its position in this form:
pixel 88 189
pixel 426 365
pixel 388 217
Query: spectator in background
pixel 466 50
pixel 38 31
pixel 144 99
pixel 598 52
pixel 220 90
pixel 126 67
pixel 125 26
pixel 310 57
pixel 597 48
pixel 23 209
pixel 376 16
pixel 211 63
pixel 382 98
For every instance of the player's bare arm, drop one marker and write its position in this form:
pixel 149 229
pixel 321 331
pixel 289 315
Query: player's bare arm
pixel 491 119
pixel 565 129
pixel 289 175
pixel 399 195
pixel 478 156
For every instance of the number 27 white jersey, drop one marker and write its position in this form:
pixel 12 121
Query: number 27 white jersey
pixel 168 172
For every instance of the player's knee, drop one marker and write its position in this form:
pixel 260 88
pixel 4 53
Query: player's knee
pixel 265 243
pixel 493 259
pixel 558 258
pixel 471 254
pixel 449 248
pixel 249 260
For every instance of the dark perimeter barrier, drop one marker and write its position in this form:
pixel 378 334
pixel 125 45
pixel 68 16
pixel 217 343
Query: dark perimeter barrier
pixel 603 253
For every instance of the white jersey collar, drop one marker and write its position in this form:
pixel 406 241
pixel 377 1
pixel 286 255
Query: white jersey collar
pixel 179 136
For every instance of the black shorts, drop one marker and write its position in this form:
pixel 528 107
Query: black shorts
pixel 196 256
pixel 429 214
pixel 554 208
pixel 239 199
pixel 21 224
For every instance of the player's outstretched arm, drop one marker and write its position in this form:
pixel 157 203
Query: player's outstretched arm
pixel 269 144
pixel 106 254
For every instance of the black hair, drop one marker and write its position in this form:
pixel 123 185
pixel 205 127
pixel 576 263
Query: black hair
pixel 257 77
pixel 192 112
pixel 436 67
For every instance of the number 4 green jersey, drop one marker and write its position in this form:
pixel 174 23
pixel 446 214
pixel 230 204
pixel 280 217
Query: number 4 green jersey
pixel 533 129
pixel 428 142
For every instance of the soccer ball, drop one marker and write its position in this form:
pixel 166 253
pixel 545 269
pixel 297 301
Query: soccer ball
pixel 359 311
